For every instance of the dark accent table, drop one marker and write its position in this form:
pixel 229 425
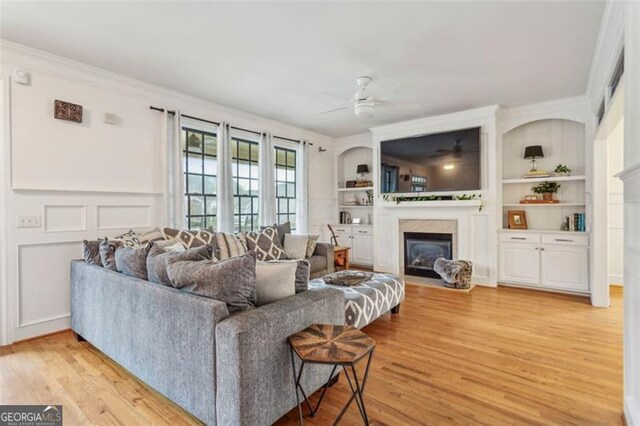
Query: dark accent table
pixel 336 345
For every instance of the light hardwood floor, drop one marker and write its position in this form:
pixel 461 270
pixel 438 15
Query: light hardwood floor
pixel 492 356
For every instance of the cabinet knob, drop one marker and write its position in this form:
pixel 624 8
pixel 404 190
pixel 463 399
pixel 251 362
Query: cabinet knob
pixel 541 248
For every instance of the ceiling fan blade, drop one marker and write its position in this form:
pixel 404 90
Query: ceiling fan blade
pixel 334 109
pixel 336 96
pixel 449 151
pixel 397 105
pixel 383 86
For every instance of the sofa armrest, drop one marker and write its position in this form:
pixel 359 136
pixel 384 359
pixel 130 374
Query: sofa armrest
pixel 255 382
pixel 164 336
pixel 326 250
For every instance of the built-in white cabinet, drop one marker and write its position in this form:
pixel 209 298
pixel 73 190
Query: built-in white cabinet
pixel 549 260
pixel 359 239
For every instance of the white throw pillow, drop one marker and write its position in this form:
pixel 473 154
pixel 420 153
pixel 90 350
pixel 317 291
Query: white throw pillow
pixel 275 281
pixel 295 246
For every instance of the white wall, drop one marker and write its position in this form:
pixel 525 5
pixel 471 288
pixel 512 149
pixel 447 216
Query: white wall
pixel 615 216
pixel 93 179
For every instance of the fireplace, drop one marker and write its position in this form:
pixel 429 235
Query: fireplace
pixel 421 249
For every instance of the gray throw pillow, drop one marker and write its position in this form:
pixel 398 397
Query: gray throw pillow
pixel 311 244
pixel 274 281
pixel 91 252
pixel 157 260
pixel 266 244
pixel 108 253
pixel 132 261
pixel 232 281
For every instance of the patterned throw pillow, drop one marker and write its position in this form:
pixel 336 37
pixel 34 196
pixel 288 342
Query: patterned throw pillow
pixel 266 244
pixel 189 238
pixel 132 261
pixel 129 239
pixel 283 229
pixel 154 235
pixel 108 253
pixel 157 260
pixel 295 246
pixel 229 245
pixel 91 252
pixel 311 244
pixel 232 281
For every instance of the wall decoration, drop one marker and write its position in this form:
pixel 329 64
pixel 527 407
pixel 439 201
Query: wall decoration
pixel 517 219
pixel 67 111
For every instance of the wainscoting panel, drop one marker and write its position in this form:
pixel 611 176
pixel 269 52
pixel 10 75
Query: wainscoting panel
pixel 43 280
pixel 123 216
pixel 64 218
pixel 481 229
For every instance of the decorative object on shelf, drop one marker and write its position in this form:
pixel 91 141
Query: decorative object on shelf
pixel 472 197
pixel 538 201
pixel 347 278
pixel 564 226
pixel 369 193
pixel 454 273
pixel 547 189
pixel 350 184
pixel 517 219
pixel 362 170
pixel 562 170
pixel 352 201
pixel 356 221
pixel 67 111
pixel 531 153
pixel 530 198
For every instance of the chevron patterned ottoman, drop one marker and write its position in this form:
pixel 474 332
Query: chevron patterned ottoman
pixel 368 301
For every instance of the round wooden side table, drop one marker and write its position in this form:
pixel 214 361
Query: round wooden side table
pixel 336 345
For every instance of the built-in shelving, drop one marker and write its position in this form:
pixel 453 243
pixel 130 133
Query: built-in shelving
pixel 544 179
pixel 545 205
pixel 355 207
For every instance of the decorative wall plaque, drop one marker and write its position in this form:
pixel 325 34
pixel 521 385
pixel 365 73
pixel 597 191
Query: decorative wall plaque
pixel 67 111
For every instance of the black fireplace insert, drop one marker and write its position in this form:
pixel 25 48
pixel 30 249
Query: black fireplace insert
pixel 421 249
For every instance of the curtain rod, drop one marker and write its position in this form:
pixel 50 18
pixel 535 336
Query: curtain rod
pixel 233 127
pixel 185 115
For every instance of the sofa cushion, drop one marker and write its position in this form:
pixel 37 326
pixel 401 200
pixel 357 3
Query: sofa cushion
pixel 312 242
pixel 229 245
pixel 107 250
pixel 189 238
pixel 275 281
pixel 232 281
pixel 132 261
pixel 158 256
pixel 266 244
pixel 295 246
pixel 91 252
pixel 318 263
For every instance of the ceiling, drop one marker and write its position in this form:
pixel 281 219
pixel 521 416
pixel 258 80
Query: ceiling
pixel 276 59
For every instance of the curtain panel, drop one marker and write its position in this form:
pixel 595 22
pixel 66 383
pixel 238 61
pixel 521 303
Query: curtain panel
pixel 302 211
pixel 174 181
pixel 225 180
pixel 267 182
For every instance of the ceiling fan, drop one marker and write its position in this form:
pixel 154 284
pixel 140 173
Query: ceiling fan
pixel 364 101
pixel 456 152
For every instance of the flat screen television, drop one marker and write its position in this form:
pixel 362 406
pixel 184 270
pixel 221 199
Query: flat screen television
pixel 431 163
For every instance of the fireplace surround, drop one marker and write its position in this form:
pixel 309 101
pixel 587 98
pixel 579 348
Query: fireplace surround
pixel 446 228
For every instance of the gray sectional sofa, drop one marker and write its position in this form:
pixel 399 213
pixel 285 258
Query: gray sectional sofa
pixel 322 262
pixel 227 370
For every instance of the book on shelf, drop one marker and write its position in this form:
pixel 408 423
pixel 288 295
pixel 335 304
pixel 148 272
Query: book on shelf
pixel 576 222
pixel 537 174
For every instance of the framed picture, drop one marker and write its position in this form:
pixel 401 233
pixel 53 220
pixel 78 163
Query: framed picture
pixel 517 219
pixel 67 111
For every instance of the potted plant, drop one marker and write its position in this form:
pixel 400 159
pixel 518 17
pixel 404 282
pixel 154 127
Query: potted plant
pixel 547 189
pixel 563 170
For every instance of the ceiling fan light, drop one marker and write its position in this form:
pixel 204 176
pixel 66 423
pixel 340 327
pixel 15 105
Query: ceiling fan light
pixel 363 110
pixel 448 166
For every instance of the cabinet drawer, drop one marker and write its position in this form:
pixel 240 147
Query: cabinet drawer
pixel 567 240
pixel 362 231
pixel 519 237
pixel 342 229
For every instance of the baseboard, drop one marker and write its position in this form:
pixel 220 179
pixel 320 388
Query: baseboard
pixel 631 412
pixel 616 279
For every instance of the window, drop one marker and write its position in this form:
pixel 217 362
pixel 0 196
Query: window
pixel 285 186
pixel 200 150
pixel 245 184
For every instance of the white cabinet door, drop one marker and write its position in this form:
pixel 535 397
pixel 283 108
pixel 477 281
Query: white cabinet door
pixel 520 263
pixel 565 267
pixel 362 250
pixel 344 240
